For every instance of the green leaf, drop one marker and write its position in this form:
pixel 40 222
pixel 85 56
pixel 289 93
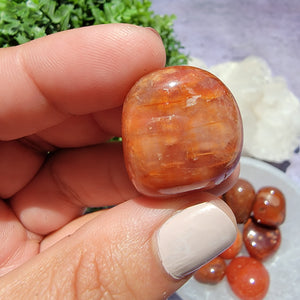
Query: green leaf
pixel 21 21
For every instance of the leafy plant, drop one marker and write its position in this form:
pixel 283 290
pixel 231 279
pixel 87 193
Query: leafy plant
pixel 22 21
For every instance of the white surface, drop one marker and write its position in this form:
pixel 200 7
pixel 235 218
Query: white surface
pixel 284 266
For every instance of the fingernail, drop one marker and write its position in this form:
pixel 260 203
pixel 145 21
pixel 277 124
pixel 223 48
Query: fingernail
pixel 194 236
pixel 153 30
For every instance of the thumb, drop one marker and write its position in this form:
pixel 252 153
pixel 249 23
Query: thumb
pixel 140 249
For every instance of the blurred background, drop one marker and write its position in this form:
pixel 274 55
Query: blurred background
pixel 217 31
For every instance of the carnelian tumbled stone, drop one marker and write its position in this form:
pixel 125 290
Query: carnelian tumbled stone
pixel 269 206
pixel 240 199
pixel 248 278
pixel 181 131
pixel 212 272
pixel 261 241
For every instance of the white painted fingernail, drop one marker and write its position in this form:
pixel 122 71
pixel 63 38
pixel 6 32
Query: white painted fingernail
pixel 194 236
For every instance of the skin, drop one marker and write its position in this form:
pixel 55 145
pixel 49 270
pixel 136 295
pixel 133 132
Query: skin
pixel 64 93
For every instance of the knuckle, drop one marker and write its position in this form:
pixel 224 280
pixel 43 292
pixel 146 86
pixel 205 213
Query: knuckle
pixel 100 277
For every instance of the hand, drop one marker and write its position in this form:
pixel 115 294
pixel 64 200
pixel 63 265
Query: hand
pixel 63 94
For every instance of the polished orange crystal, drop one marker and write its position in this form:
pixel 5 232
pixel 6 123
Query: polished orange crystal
pixel 212 272
pixel 269 206
pixel 240 199
pixel 181 131
pixel 248 278
pixel 261 241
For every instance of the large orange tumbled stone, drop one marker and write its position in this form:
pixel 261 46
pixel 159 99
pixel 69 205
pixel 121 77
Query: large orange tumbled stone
pixel 181 130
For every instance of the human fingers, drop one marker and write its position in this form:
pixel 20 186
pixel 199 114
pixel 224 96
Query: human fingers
pixel 70 181
pixel 68 229
pixel 84 130
pixel 77 178
pixel 18 164
pixel 78 222
pixel 136 250
pixel 17 245
pixel 74 72
pixel 66 90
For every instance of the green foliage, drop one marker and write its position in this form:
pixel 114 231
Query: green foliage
pixel 22 21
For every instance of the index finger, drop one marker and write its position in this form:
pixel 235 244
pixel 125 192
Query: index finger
pixel 74 72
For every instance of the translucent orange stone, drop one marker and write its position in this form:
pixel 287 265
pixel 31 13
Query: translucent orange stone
pixel 248 278
pixel 269 207
pixel 212 272
pixel 181 131
pixel 240 199
pixel 261 241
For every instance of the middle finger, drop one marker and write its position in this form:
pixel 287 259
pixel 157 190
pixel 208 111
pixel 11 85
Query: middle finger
pixel 70 181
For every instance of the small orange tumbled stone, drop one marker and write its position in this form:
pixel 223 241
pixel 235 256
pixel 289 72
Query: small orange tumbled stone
pixel 212 272
pixel 181 131
pixel 234 249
